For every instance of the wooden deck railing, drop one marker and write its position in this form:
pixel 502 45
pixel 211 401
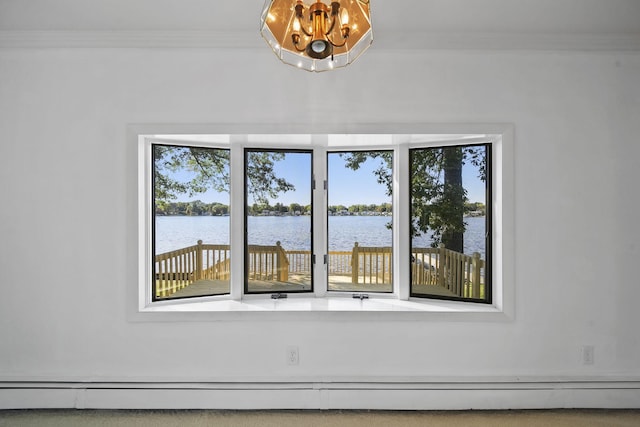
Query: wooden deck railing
pixel 340 263
pixel 299 262
pixel 371 264
pixel 461 274
pixel 268 263
pixel 178 269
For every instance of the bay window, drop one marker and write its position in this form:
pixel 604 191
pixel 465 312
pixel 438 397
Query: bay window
pixel 384 217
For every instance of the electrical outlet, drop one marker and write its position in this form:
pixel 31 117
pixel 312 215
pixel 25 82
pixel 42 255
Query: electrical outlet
pixel 293 357
pixel 588 355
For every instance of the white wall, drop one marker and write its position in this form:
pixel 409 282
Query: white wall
pixel 67 211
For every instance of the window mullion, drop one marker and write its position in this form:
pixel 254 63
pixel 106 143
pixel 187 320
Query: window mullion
pixel 237 216
pixel 146 206
pixel 320 214
pixel 401 221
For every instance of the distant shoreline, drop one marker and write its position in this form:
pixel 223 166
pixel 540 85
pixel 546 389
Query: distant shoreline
pixel 199 208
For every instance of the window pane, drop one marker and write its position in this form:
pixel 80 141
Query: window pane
pixel 360 220
pixel 450 217
pixel 278 221
pixel 191 221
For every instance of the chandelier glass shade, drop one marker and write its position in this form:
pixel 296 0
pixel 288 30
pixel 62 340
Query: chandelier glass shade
pixel 317 35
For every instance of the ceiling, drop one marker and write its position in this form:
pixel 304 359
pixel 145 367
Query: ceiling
pixel 396 22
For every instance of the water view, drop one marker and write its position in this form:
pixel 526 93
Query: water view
pixel 176 232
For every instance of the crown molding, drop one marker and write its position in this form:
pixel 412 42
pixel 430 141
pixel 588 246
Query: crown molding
pixel 383 40
pixel 129 39
pixel 517 41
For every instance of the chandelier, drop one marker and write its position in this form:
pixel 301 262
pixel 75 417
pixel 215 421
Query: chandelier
pixel 317 36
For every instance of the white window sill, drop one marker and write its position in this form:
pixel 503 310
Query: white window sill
pixel 305 307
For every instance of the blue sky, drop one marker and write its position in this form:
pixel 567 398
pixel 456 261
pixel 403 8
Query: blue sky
pixel 360 187
pixel 346 187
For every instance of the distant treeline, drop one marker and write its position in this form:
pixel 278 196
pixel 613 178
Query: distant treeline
pixel 199 208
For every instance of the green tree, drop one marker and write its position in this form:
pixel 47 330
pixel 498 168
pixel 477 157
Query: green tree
pixel 162 208
pixel 218 209
pixel 295 207
pixel 385 207
pixel 197 207
pixel 209 169
pixel 448 219
pixel 438 197
pixel 280 208
pixel 475 207
pixel 262 182
pixel 181 208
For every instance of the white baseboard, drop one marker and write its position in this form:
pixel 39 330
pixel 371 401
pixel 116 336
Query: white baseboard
pixel 323 396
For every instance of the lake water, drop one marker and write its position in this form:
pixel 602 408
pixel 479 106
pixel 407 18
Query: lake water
pixel 175 232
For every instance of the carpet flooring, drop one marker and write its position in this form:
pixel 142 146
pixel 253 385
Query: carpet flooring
pixel 537 418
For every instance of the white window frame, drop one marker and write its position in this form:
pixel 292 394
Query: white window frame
pixel 323 302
